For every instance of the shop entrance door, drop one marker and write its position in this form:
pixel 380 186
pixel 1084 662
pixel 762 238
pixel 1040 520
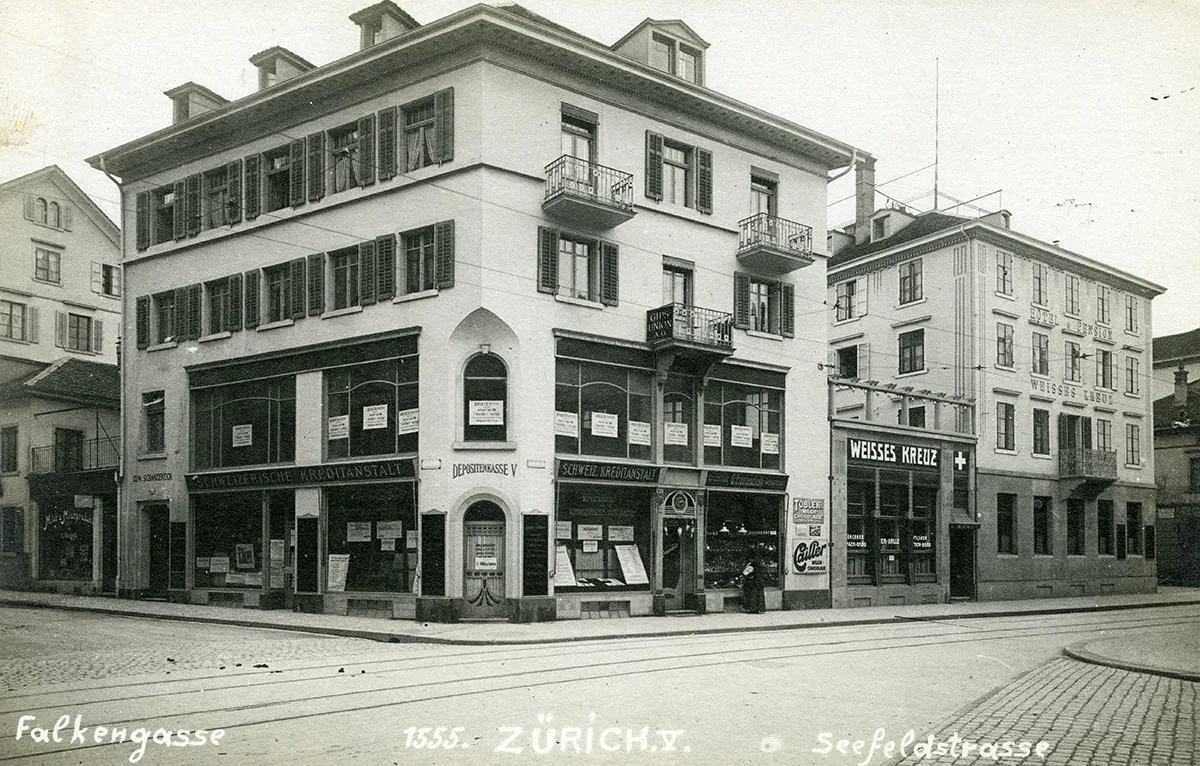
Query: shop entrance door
pixel 678 561
pixel 483 561
pixel 158 519
pixel 962 561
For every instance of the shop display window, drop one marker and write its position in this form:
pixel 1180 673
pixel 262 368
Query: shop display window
pixel 602 539
pixel 741 526
pixel 372 409
pixel 742 425
pixel 679 420
pixel 860 518
pixel 603 410
pixel 376 525
pixel 228 540
pixel 65 543
pixel 891 520
pixel 247 423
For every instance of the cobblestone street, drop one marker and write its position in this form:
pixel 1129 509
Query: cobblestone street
pixel 1089 714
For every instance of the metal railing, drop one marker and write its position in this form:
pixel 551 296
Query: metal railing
pixel 580 178
pixel 1088 463
pixel 675 321
pixel 779 233
pixel 83 456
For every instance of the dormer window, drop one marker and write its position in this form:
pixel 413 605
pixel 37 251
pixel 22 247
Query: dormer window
pixel 673 57
pixel 879 230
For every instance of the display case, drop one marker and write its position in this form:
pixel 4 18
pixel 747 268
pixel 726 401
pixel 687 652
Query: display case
pixel 726 554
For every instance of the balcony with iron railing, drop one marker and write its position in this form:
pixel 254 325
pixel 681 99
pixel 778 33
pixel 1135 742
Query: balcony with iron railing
pixel 690 331
pixel 588 195
pixel 773 245
pixel 1089 464
pixel 80 456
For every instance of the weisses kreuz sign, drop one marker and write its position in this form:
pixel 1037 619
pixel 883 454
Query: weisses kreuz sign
pixel 896 454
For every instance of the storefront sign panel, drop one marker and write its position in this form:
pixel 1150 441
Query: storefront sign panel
pixel 810 556
pixel 467 469
pixel 1068 391
pixel 1097 331
pixel 808 510
pixel 735 480
pixel 275 477
pixel 896 454
pixel 577 469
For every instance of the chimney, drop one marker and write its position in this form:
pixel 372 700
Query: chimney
pixel 380 22
pixel 276 65
pixel 191 99
pixel 1181 387
pixel 864 200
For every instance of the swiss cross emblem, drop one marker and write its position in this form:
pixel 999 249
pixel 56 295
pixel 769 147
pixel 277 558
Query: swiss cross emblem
pixel 960 460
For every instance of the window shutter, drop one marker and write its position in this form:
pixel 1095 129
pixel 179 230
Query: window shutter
pixel 296 172
pixel 1063 438
pixel 193 205
pixel 97 277
pixel 29 207
pixel 654 168
pixel 143 220
pixel 60 329
pixel 178 213
pixel 66 217
pixel 547 260
pixel 233 322
pixel 179 331
pixel 443 249
pixel 233 177
pixel 860 297
pixel 253 188
pixel 610 273
pixel 832 362
pixel 316 284
pixel 385 266
pixel 443 110
pixel 298 288
pixel 704 180
pixel 97 336
pixel 194 328
pixel 1085 433
pixel 366 273
pixel 366 150
pixel 741 300
pixel 787 310
pixel 387 143
pixel 142 321
pixel 864 361
pixel 31 328
pixel 316 166
pixel 250 286
pixel 118 279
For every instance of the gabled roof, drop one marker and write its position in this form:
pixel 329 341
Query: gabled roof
pixel 72 380
pixel 55 175
pixel 681 29
pixel 1167 414
pixel 1183 345
pixel 925 224
pixel 278 51
pixel 384 8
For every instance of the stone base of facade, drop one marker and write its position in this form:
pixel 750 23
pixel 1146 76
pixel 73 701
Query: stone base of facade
pixel 593 606
pixel 532 609
pixel 14 572
pixel 889 595
pixel 805 599
pixel 435 609
pixel 1031 589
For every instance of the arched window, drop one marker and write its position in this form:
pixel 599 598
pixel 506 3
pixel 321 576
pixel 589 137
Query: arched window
pixel 40 211
pixel 485 399
pixel 55 215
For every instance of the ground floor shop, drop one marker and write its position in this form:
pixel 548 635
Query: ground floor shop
pixel 74 524
pixel 1179 544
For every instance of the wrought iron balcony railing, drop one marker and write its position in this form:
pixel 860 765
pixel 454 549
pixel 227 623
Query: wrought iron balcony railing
pixel 79 456
pixel 774 244
pixel 1087 464
pixel 675 322
pixel 588 193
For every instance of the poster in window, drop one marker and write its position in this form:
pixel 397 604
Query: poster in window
pixel 566 424
pixel 375 416
pixel 675 434
pixel 741 436
pixel 770 443
pixel 562 530
pixel 339 565
pixel 252 578
pixel 385 529
pixel 591 531
pixel 218 564
pixel 485 412
pixel 604 424
pixel 410 539
pixel 712 435
pixel 639 433
pixel 387 543
pixel 408 421
pixel 631 565
pixel 591 546
pixel 243 435
pixel 202 562
pixel 235 578
pixel 339 427
pixel 244 553
pixel 618 534
pixel 564 573
pixel 358 531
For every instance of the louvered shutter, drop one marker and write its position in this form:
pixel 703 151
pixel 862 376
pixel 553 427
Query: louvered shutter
pixel 387 143
pixel 366 150
pixel 194 324
pixel 193 205
pixel 443 248
pixel 316 284
pixel 1085 433
pixel 179 211
pixel 610 272
pixel 1064 438
pixel 704 180
pixel 66 217
pixel 443 111
pixel 316 166
pixel 654 165
pixel 253 189
pixel 385 266
pixel 787 310
pixel 366 273
pixel 97 277
pixel 31 326
pixel 832 362
pixel 250 286
pixel 296 299
pixel 547 260
pixel 28 207
pixel 60 329
pixel 142 321
pixel 179 331
pixel 296 172
pixel 97 339
pixel 118 280
pixel 741 300
pixel 233 177
pixel 864 361
pixel 143 220
pixel 233 321
pixel 860 297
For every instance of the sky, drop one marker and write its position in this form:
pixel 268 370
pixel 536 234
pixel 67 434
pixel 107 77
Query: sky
pixel 1081 118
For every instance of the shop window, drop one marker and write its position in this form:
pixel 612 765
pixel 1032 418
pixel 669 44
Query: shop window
pixel 1104 527
pixel 1133 527
pixel 12 529
pixel 911 288
pixel 372 409
pixel 1075 509
pixel 1006 523
pixel 739 528
pixel 679 416
pixel 604 532
pixel 912 351
pixel 47 265
pixel 16 321
pixel 742 425
pixel 1041 354
pixel 372 524
pixel 1004 273
pixel 891 518
pixel 1004 345
pixel 154 423
pixel 1043 530
pixel 603 410
pixel 919 534
pixel 228 541
pixel 9 449
pixel 248 423
pixel 65 542
pixel 485 399
pixel 860 518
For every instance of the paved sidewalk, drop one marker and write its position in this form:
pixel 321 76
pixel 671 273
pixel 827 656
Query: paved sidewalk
pixel 1173 653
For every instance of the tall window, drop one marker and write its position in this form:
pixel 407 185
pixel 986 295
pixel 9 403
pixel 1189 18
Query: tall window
pixel 79 333
pixel 578 142
pixel 1104 440
pixel 1041 354
pixel 846 300
pixel 667 55
pixel 46 265
pixel 1004 345
pixel 742 425
pixel 420 134
pixel 679 419
pixel 343 268
pixel 246 423
pixel 677 285
pixel 8 449
pixel 163 229
pixel 576 276
pixel 1133 527
pixel 1041 286
pixel 762 196
pixel 1072 294
pixel 164 317
pixel 154 410
pixel 278 169
pixel 55 217
pixel 1104 527
pixel 485 399
pixel 344 148
pixel 603 410
pixel 1006 523
pixel 1005 420
pixel 1071 362
pixel 911 288
pixel 278 281
pixel 218 203
pixel 1041 432
pixel 847 362
pixel 1104 368
pixel 890 530
pixel 372 408
pixel 1132 377
pixel 763 314
pixel 220 306
pixel 1133 444
pixel 13 321
pixel 912 351
pixel 106 279
pixel 1131 313
pixel 677 164
pixel 1103 304
pixel 1075 538
pixel 1004 273
pixel 1043 538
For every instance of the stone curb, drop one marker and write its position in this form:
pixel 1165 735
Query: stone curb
pixel 1080 652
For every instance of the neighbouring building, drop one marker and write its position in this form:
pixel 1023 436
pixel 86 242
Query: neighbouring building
pixel 60 310
pixel 1177 472
pixel 1053 351
pixel 1171 353
pixel 485 319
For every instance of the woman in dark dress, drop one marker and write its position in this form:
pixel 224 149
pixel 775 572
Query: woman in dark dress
pixel 752 587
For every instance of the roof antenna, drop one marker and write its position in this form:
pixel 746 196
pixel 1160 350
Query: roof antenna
pixel 936 115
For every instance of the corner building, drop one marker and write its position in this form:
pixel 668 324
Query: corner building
pixel 486 319
pixel 1052 351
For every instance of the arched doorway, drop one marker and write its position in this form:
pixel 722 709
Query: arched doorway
pixel 483 561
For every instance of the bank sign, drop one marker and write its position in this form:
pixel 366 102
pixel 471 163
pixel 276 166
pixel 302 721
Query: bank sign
pixel 895 454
